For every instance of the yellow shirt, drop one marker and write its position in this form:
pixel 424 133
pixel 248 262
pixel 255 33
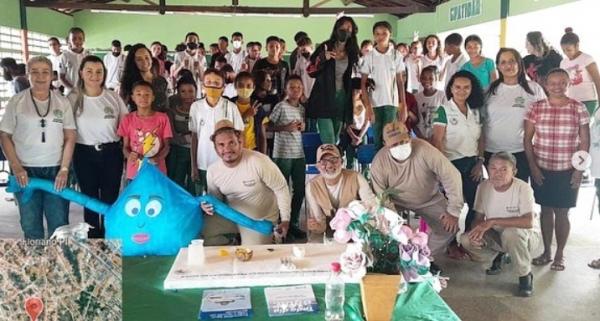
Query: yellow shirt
pixel 249 135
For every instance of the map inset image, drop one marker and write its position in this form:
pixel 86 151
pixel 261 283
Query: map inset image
pixel 60 280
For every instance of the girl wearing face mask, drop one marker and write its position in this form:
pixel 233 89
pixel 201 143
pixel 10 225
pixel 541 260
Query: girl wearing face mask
pixel 305 49
pixel 244 85
pixel 330 101
pixel 204 115
pixel 97 160
pixel 178 160
pixel 138 67
pixel 457 133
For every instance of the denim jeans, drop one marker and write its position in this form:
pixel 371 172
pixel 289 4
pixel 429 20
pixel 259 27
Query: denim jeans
pixel 55 208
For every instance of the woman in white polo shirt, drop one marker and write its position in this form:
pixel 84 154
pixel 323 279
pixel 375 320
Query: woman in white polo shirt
pixel 38 135
pixel 457 132
pixel 98 160
pixel 503 115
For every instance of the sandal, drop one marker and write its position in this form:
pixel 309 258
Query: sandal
pixel 541 260
pixel 558 265
pixel 595 264
pixel 456 252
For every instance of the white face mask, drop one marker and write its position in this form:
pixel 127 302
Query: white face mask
pixel 337 173
pixel 237 44
pixel 401 152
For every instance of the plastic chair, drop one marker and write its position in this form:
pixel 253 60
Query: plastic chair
pixel 310 143
pixel 365 155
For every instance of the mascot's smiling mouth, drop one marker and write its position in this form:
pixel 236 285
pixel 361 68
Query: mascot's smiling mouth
pixel 140 238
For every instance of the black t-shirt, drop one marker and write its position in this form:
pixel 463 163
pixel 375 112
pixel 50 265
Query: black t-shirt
pixel 538 67
pixel 278 72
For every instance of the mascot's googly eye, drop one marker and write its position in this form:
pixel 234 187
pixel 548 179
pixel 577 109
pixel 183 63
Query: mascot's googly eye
pixel 153 208
pixel 133 207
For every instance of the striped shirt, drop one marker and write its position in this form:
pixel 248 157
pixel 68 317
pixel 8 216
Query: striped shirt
pixel 287 144
pixel 556 132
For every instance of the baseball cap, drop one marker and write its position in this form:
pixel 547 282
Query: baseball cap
pixel 327 149
pixel 395 133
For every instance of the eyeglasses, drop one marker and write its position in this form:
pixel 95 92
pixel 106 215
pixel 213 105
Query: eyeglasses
pixel 330 160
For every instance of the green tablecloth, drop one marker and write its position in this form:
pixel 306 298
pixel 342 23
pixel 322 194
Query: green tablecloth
pixel 145 299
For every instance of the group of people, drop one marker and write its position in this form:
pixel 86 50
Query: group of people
pixel 233 127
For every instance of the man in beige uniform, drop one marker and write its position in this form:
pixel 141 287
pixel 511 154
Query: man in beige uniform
pixel 505 222
pixel 414 169
pixel 247 181
pixel 335 187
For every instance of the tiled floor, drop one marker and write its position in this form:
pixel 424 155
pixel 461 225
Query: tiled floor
pixel 572 295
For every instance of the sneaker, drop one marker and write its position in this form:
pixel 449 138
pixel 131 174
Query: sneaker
pixel 526 285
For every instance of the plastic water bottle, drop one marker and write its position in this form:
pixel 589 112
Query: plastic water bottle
pixel 334 295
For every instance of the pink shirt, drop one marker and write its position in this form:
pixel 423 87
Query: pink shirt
pixel 556 132
pixel 147 137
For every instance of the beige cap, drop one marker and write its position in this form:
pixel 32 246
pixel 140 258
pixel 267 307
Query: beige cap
pixel 395 133
pixel 327 149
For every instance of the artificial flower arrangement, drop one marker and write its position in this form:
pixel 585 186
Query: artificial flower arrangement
pixel 382 243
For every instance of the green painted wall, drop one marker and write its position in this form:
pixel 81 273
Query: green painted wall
pixel 102 28
pixel 39 19
pixel 428 23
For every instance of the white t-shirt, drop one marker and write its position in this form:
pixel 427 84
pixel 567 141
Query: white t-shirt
pixel 300 70
pixel 450 68
pixel 203 119
pixel 462 133
pixel 383 68
pixel 236 59
pixel 503 116
pixel 427 106
pixel 24 124
pixel 69 66
pixel 516 201
pixel 114 70
pixel 229 91
pixel 55 67
pixel 196 64
pixel 99 118
pixel 582 86
pixel 414 69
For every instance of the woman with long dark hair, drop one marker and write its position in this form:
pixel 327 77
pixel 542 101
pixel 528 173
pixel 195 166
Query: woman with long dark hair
pixel 507 101
pixel 330 101
pixel 97 160
pixel 457 133
pixel 138 67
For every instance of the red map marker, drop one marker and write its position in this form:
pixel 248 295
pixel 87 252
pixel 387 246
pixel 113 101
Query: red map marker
pixel 34 307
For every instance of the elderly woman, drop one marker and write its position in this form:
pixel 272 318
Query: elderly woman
pixel 504 221
pixel 38 136
pixel 332 189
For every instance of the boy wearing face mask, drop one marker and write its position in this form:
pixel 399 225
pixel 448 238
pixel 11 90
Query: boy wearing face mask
pixel 204 114
pixel 302 62
pixel 192 60
pixel 333 188
pixel 236 57
pixel 244 85
pixel 415 169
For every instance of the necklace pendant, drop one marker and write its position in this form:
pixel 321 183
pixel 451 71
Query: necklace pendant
pixel 43 123
pixel 43 137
